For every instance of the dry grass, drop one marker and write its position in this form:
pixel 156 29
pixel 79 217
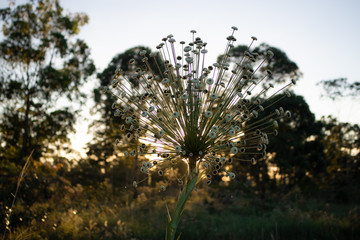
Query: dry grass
pixel 20 178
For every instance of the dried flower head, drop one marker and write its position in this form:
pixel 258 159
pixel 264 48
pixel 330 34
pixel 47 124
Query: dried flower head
pixel 186 111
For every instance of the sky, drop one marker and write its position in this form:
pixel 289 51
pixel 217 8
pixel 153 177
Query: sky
pixel 321 36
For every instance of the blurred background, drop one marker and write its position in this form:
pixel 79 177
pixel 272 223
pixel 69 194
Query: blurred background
pixel 57 55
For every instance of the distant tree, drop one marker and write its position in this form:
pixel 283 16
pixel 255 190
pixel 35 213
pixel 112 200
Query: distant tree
pixel 296 150
pixel 341 141
pixel 339 87
pixel 42 67
pixel 281 67
pixel 341 147
pixel 292 147
pixel 86 173
pixel 110 136
pixel 277 69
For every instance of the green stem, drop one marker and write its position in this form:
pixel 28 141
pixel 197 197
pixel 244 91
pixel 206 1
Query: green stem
pixel 174 220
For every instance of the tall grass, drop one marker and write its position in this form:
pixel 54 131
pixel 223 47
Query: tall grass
pixel 91 214
pixel 10 210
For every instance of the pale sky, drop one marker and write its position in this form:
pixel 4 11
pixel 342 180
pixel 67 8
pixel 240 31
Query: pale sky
pixel 322 37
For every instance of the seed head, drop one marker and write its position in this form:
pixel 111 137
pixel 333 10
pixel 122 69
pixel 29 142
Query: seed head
pixel 184 110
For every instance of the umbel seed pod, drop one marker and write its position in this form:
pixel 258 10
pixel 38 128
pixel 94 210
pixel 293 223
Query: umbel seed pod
pixel 190 109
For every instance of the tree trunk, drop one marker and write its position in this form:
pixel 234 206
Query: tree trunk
pixel 26 134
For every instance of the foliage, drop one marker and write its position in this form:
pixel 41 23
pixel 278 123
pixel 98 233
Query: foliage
pixel 40 64
pixel 341 148
pixel 280 66
pixel 290 147
pixel 42 68
pixel 107 128
pixel 88 213
pixel 339 87
pixel 109 142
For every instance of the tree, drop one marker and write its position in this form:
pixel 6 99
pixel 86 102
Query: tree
pixel 41 64
pixel 280 66
pixel 341 147
pixel 295 147
pixel 109 133
pixel 340 87
pixel 277 69
pixel 296 138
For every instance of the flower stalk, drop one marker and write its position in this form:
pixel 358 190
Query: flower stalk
pixel 174 219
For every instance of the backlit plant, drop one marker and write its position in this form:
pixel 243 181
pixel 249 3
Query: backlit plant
pixel 204 116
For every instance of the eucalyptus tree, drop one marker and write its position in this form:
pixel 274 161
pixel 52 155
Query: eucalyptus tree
pixel 340 87
pixel 341 142
pixel 41 64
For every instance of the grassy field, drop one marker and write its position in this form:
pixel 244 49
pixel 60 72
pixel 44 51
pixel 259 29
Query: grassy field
pixel 91 213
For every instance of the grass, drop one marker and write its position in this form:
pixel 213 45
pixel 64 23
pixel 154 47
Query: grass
pixel 86 215
pixel 10 210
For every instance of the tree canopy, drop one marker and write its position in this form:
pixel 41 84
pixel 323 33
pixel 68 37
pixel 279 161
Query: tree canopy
pixel 280 66
pixel 340 87
pixel 41 63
